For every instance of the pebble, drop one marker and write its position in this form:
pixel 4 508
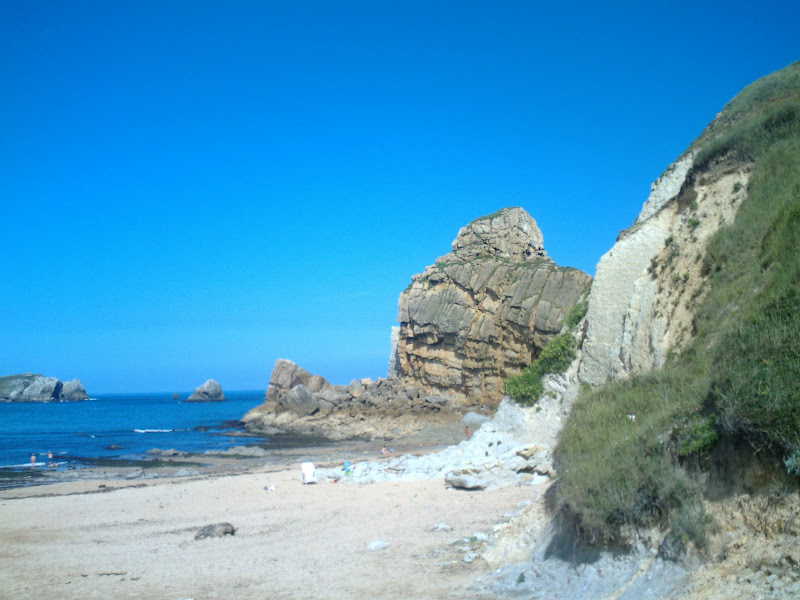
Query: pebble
pixel 378 545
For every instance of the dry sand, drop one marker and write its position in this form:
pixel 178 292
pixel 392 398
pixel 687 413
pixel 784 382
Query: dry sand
pixel 136 540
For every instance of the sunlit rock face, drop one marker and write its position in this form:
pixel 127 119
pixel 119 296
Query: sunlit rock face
pixel 647 287
pixel 485 310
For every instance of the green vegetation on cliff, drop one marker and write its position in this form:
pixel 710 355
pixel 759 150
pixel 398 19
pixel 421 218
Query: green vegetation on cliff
pixel 526 387
pixel 622 454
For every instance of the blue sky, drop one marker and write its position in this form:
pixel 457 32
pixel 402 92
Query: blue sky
pixel 195 189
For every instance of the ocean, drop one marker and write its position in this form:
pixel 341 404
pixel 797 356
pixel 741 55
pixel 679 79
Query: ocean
pixel 119 426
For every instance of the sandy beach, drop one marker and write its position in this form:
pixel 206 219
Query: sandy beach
pixel 136 539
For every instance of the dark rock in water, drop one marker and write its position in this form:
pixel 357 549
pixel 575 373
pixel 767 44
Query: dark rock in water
pixel 232 424
pixel 115 447
pixel 29 387
pixel 210 391
pixel 176 396
pixel 216 530
pixel 170 452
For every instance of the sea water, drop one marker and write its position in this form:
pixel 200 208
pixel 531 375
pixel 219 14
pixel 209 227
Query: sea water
pixel 119 426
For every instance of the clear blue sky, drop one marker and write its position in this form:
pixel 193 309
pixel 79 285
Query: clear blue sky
pixel 194 189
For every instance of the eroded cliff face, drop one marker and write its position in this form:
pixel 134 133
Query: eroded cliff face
pixel 485 310
pixel 647 287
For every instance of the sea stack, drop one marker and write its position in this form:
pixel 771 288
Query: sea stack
pixel 73 390
pixel 484 311
pixel 210 391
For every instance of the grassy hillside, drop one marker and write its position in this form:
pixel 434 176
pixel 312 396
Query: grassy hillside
pixel 740 378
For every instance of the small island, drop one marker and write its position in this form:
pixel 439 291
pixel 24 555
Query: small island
pixel 210 391
pixel 30 387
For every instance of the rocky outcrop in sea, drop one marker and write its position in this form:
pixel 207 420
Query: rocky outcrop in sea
pixel 210 391
pixel 29 387
pixel 308 404
pixel 484 311
pixel 73 390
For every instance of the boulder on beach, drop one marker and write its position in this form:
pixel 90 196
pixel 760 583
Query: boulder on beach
pixel 210 391
pixel 215 530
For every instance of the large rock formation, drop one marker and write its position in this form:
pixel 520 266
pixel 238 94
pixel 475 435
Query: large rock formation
pixel 480 313
pixel 210 391
pixel 485 310
pixel 29 387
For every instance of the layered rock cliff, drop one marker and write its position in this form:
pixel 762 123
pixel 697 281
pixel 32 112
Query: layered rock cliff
pixel 485 310
pixel 29 387
pixel 648 285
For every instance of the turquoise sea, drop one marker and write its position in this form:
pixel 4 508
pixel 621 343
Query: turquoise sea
pixel 119 426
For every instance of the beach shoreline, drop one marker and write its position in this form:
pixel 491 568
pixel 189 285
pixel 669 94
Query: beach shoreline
pixel 117 537
pixel 167 464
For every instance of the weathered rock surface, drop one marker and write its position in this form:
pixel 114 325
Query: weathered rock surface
pixel 73 390
pixel 210 391
pixel 646 287
pixel 309 404
pixel 29 387
pixel 483 311
pixel 215 530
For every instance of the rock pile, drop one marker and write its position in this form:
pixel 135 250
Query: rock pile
pixel 308 404
pixel 499 453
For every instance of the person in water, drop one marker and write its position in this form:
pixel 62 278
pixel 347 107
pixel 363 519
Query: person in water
pixel 33 459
